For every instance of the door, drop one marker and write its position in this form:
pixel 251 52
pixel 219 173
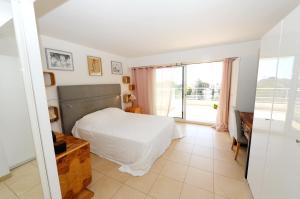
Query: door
pixel 202 91
pixel 282 170
pixel 266 81
pixel 23 90
pixel 169 91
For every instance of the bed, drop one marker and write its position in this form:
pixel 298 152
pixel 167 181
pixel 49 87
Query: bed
pixel 132 140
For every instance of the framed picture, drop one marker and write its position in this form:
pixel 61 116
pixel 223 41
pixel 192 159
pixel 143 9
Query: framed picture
pixel 116 68
pixel 59 60
pixel 94 66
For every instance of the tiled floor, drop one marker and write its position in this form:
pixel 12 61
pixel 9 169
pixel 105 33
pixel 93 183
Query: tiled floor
pixel 24 183
pixel 199 166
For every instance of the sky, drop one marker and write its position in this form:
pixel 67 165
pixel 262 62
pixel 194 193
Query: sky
pixel 207 72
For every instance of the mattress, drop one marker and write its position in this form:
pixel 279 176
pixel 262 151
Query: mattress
pixel 132 140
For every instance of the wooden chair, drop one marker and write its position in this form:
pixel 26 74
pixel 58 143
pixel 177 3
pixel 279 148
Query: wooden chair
pixel 239 138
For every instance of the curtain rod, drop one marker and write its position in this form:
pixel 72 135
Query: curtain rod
pixel 180 64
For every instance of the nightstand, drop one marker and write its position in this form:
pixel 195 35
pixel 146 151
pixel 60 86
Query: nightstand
pixel 135 109
pixel 74 168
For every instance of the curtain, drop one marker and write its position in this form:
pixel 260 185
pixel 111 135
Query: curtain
pixel 164 91
pixel 144 79
pixel 223 108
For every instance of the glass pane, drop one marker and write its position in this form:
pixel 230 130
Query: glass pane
pixel 203 91
pixel 168 93
pixel 18 169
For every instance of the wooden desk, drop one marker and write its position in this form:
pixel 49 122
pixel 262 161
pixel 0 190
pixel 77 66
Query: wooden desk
pixel 74 168
pixel 247 123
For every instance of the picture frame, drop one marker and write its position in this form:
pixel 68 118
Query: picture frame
pixel 94 66
pixel 59 60
pixel 116 68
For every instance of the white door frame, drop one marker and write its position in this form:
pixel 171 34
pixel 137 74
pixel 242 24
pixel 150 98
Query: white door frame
pixel 31 64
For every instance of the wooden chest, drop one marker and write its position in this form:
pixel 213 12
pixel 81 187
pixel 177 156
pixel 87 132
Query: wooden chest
pixel 74 168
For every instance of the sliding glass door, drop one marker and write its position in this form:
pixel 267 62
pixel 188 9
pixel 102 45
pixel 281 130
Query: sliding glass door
pixel 169 92
pixel 190 92
pixel 202 91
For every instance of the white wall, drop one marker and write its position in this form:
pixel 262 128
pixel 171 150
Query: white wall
pixel 80 74
pixel 15 133
pixel 247 52
pixel 15 127
pixel 5 12
pixel 5 15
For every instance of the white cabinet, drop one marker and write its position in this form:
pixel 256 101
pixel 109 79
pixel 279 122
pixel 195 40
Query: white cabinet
pixel 274 167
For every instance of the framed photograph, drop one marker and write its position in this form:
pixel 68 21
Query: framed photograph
pixel 59 60
pixel 116 68
pixel 94 66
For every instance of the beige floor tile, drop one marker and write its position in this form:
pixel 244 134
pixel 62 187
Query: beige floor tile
pixel 34 163
pixel 20 172
pixel 149 197
pixel 199 178
pixel 180 157
pixel 166 188
pixel 221 154
pixel 105 188
pixel 229 169
pixel 202 163
pixel 2 185
pixel 192 192
pixel 175 171
pixel 118 175
pixel 217 196
pixel 158 165
pixel 203 141
pixel 128 193
pixel 22 182
pixel 231 188
pixel 142 183
pixel 187 139
pixel 5 193
pixel 35 193
pixel 96 175
pixel 184 147
pixel 203 151
pixel 104 166
pixel 95 158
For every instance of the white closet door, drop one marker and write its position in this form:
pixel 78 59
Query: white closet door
pixel 282 172
pixel 266 81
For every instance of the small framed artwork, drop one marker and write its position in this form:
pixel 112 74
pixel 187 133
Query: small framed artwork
pixel 116 68
pixel 94 66
pixel 59 60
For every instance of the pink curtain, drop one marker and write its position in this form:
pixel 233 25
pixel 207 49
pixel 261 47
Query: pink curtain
pixel 144 78
pixel 223 108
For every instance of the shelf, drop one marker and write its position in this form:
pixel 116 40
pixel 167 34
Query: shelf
pixel 49 79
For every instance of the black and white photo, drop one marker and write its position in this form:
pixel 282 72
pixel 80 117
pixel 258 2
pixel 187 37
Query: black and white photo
pixel 59 60
pixel 116 68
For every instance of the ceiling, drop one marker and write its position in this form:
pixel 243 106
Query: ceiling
pixel 133 28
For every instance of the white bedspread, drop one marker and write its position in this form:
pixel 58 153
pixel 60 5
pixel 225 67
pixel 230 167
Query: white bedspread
pixel 132 140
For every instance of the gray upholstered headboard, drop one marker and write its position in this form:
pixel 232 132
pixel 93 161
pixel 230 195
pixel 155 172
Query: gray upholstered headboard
pixel 79 100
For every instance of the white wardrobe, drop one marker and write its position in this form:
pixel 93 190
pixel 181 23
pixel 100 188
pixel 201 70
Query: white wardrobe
pixel 274 166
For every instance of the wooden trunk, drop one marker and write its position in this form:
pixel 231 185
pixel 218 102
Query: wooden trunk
pixel 74 168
